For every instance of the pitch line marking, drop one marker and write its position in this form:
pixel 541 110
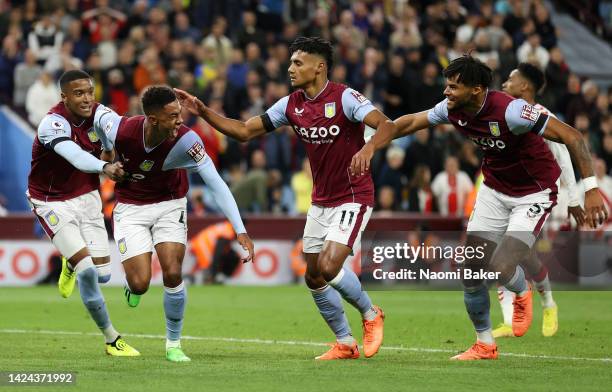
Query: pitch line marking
pixel 298 343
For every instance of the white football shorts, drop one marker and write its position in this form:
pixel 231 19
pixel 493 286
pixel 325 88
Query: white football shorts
pixel 343 224
pixel 138 228
pixel 85 212
pixel 496 214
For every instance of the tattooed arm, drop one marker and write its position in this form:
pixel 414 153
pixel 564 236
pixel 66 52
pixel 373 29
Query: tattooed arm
pixel 560 132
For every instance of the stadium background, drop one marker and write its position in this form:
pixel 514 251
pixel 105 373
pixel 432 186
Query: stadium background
pixel 233 54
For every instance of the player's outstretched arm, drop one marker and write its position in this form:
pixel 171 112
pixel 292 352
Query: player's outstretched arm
pixel 227 203
pixel 410 123
pixel 559 131
pixel 561 154
pixel 239 130
pixel 385 130
pixel 86 162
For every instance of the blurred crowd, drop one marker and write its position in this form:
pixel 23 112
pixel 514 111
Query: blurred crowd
pixel 233 54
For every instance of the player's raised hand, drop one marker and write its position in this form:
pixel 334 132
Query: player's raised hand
pixel 247 244
pixel 115 171
pixel 578 213
pixel 190 102
pixel 360 163
pixel 596 213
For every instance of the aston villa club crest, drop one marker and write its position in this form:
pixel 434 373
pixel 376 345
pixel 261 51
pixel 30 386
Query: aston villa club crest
pixel 330 110
pixel 146 165
pixel 122 246
pixel 494 128
pixel 93 136
pixel 52 218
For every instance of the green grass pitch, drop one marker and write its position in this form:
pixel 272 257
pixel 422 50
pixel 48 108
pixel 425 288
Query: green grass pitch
pixel 265 338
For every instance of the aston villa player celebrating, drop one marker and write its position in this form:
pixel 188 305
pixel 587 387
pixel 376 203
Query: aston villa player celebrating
pixel 519 189
pixel 329 118
pixel 151 209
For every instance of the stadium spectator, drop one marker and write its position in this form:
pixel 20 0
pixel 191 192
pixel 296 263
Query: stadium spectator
pixel 218 42
pixel 391 175
pixel 45 39
pixel 531 51
pixel 42 95
pixel 26 73
pixel 9 58
pixel 385 201
pixel 301 184
pixel 420 196
pixel 451 188
pixel 61 61
pixel 250 190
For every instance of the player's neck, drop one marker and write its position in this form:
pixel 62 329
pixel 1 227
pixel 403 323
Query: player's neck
pixel 476 105
pixel 74 119
pixel 530 100
pixel 152 136
pixel 315 88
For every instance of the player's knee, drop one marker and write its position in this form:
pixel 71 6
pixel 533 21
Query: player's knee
pixel 314 280
pixel 329 270
pixel 172 276
pixel 138 285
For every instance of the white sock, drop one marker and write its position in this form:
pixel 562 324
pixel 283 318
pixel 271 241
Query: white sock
pixel 485 336
pixel 370 314
pixel 506 297
pixel 348 340
pixel 110 334
pixel 545 291
pixel 172 344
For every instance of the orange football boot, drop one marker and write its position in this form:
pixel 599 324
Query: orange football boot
pixel 523 313
pixel 341 351
pixel 478 351
pixel 373 333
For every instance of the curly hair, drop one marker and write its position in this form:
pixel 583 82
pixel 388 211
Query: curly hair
pixel 155 98
pixel 314 45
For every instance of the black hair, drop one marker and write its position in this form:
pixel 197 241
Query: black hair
pixel 72 75
pixel 533 74
pixel 156 97
pixel 314 45
pixel 472 72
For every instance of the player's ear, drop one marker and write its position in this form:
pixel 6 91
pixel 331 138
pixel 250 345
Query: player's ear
pixel 151 118
pixel 321 68
pixel 477 90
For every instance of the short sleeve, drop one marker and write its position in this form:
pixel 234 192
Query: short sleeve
pixel 438 114
pixel 355 106
pixel 187 153
pixel 522 117
pixel 106 124
pixel 276 113
pixel 53 129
